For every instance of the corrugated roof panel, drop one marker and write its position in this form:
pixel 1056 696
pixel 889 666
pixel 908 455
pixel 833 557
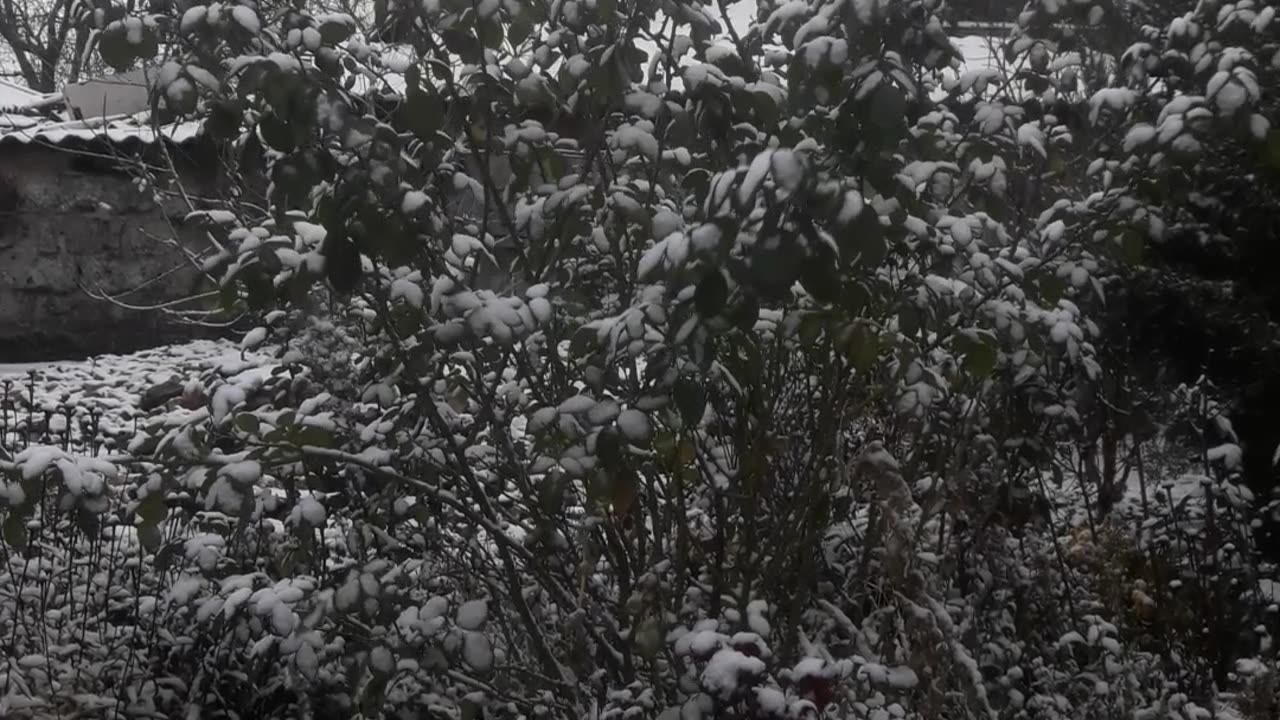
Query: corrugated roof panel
pixel 10 122
pixel 24 129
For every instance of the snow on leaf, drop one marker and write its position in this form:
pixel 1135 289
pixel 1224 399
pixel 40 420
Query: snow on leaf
pixel 218 217
pixel 651 259
pixel 1115 99
pixel 1031 135
pixel 472 614
pixel 634 425
pixel 899 677
pixel 247 19
pixel 244 472
pixel 381 660
pixel 1139 135
pixel 728 670
pixel 193 18
pixel 253 338
pixel 1230 97
pixel 771 701
pixel 788 170
pixel 412 201
pixel 1229 454
pixel 756 174
pixel 310 511
pixel 307 661
pixel 36 459
pixel 477 651
pixel 407 290
pixel 577 404
pixel 1071 638
pixel 603 412
pixel 225 398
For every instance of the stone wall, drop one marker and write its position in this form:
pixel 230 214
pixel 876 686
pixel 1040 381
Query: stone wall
pixel 72 219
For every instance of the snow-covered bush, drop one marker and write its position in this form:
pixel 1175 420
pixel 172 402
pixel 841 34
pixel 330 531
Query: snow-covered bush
pixel 627 364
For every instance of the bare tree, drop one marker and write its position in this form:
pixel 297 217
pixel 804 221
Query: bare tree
pixel 43 41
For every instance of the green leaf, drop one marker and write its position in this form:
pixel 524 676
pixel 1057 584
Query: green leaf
pixel 766 108
pixel 276 133
pixel 115 48
pixel 373 695
pixel 14 531
pixel 979 349
pixel 151 537
pixel 746 311
pixel 910 321
pixel 333 32
pixel 283 91
pixel 820 278
pixel 166 556
pixel 811 327
pixel 149 46
pixel 1272 151
pixel 1132 245
pixel 88 523
pixel 440 70
pixel 623 486
pixel 464 44
pixel 329 62
pixel 609 448
pixel 259 290
pixel 313 435
pixel 1052 288
pixel 863 347
pixel 888 110
pixel 489 31
pixel 341 261
pixel 551 164
pixel 423 114
pixel 152 510
pixel 775 270
pixel 664 443
pixel 248 423
pixel 864 241
pixel 855 298
pixel 224 120
pixel 685 452
pixel 518 31
pixel 583 342
pixel 648 637
pixel 691 400
pixel 711 295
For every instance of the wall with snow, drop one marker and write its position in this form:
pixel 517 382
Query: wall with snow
pixel 69 219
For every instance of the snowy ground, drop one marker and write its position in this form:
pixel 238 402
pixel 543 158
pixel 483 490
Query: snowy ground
pixel 110 385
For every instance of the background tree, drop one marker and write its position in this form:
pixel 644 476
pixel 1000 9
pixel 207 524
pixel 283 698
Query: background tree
pixel 44 42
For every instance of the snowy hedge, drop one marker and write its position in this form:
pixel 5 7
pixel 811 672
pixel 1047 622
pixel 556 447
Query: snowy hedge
pixel 754 382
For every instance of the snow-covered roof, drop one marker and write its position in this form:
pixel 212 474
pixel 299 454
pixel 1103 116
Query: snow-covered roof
pixel 27 116
pixel 14 97
pixel 25 129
